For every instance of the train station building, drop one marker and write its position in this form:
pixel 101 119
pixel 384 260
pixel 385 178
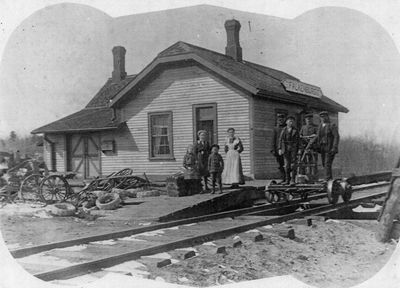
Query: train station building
pixel 146 121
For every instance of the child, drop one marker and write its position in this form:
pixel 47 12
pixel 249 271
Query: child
pixel 202 150
pixel 215 167
pixel 191 174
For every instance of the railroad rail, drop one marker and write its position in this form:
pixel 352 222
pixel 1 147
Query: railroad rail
pixel 192 237
pixel 23 252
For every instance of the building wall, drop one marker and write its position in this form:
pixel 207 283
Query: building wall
pixel 264 121
pixel 59 140
pixel 176 89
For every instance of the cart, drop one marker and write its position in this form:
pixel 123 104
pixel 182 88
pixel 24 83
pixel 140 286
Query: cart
pixel 56 188
pixel 306 182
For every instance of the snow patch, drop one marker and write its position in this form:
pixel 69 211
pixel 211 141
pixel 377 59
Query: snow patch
pixel 190 224
pixel 151 233
pixel 172 228
pixel 132 238
pixel 133 267
pixel 187 249
pixel 48 260
pixel 13 246
pixel 73 248
pixel 253 231
pixel 105 242
pixel 360 209
pixel 209 244
pixel 163 255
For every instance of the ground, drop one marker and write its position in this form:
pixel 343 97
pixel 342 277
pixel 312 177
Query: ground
pixel 328 254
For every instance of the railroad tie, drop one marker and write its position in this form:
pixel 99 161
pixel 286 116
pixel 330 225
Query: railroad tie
pixel 163 263
pixel 221 250
pixel 258 237
pixel 301 221
pixel 237 243
pixel 189 254
pixel 286 232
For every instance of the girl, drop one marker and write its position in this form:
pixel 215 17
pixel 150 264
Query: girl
pixel 191 174
pixel 233 173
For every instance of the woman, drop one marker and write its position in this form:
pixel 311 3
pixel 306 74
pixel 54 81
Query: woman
pixel 202 150
pixel 233 173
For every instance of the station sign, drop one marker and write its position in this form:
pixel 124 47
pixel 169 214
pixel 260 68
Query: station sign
pixel 302 88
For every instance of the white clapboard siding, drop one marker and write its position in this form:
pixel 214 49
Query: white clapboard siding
pixel 59 141
pixel 176 89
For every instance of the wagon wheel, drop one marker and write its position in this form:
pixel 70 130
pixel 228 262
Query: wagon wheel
pixel 347 191
pixel 333 190
pixel 272 197
pixel 30 187
pixel 269 196
pixel 124 172
pixel 53 189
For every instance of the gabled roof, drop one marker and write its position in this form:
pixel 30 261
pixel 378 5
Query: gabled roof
pixel 257 79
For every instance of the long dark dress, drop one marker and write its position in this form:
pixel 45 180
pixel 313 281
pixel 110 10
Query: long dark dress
pixel 202 150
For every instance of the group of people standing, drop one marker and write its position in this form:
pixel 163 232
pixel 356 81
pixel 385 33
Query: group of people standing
pixel 288 143
pixel 203 160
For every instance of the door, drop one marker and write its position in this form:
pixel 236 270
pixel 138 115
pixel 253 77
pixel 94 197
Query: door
pixel 84 155
pixel 205 118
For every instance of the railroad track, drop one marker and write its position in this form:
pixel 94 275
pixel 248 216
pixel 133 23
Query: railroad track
pixel 83 253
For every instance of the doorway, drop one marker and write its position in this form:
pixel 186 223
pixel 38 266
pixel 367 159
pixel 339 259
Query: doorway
pixel 84 155
pixel 205 118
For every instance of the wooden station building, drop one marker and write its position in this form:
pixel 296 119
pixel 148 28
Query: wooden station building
pixel 146 121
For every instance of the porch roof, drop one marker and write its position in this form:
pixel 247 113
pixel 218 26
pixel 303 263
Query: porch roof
pixel 87 119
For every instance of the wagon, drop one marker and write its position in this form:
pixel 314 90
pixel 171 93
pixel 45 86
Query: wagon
pixel 59 187
pixel 307 182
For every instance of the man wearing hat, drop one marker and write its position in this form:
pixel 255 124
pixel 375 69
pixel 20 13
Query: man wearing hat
pixel 328 141
pixel 308 132
pixel 288 147
pixel 275 144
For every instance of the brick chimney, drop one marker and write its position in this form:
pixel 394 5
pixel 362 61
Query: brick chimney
pixel 119 73
pixel 233 48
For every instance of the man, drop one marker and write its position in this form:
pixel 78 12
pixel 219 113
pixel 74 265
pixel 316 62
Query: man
pixel 328 141
pixel 308 132
pixel 288 147
pixel 275 144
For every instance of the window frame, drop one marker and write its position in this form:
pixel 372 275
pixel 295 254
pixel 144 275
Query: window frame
pixel 280 111
pixel 170 156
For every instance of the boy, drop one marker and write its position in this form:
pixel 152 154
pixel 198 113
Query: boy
pixel 288 147
pixel 215 167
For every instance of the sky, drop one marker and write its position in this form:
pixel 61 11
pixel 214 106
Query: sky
pixel 13 12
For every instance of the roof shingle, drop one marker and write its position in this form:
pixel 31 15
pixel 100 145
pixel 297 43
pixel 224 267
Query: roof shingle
pixel 87 119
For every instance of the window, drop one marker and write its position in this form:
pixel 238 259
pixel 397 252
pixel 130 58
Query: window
pixel 279 112
pixel 160 135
